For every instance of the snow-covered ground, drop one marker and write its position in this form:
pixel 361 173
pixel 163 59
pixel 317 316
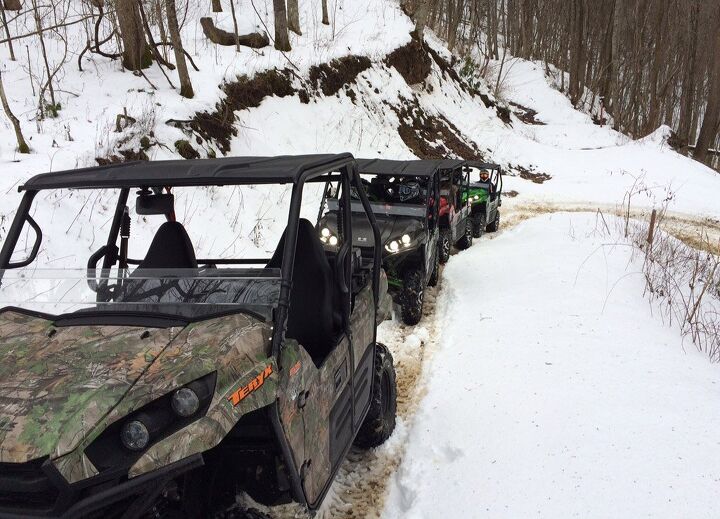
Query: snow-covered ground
pixel 555 392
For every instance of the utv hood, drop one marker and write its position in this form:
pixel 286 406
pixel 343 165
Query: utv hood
pixel 56 383
pixel 391 227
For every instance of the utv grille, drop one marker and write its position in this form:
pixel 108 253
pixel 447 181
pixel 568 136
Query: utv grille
pixel 26 489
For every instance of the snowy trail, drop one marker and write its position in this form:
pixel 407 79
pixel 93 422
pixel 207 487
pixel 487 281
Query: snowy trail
pixel 556 392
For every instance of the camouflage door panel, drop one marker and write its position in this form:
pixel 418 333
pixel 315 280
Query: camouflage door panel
pixel 306 396
pixel 362 322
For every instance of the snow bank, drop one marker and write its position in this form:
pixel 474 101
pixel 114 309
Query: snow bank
pixel 556 393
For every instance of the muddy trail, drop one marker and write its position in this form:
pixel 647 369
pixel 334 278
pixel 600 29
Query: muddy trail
pixel 702 233
pixel 361 485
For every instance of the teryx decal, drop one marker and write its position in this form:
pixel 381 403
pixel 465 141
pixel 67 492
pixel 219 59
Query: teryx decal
pixel 256 383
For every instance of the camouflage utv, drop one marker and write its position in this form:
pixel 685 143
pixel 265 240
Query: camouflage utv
pixel 168 384
pixel 485 196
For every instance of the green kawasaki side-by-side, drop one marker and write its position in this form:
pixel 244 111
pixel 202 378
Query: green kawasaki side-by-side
pixel 141 380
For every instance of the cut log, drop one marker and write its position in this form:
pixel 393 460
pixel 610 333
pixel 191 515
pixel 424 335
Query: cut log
pixel 256 40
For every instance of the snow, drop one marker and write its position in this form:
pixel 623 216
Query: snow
pixel 555 392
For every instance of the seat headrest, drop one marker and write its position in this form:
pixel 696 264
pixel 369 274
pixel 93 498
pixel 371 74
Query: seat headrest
pixel 171 248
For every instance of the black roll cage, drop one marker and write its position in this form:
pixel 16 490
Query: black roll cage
pixel 307 171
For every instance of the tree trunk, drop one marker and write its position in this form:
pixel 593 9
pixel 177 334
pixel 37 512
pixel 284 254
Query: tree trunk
pixel 7 33
pixel 22 145
pixel 186 89
pixel 293 13
pixel 325 17
pixel 11 5
pixel 421 16
pixel 282 40
pixel 135 51
pixel 216 6
pixel 577 68
pixel 709 128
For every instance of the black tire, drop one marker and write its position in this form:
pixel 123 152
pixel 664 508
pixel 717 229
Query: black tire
pixel 478 226
pixel 444 246
pixel 466 241
pixel 247 513
pixel 379 423
pixel 412 296
pixel 495 224
pixel 435 276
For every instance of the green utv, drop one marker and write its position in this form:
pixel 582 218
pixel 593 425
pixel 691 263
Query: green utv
pixel 163 384
pixel 403 196
pixel 485 196
pixel 454 210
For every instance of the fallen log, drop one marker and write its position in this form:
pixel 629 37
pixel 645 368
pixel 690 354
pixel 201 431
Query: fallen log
pixel 256 40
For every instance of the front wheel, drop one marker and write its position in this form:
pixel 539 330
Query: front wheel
pixel 466 241
pixel 412 296
pixel 478 226
pixel 495 224
pixel 380 421
pixel 444 246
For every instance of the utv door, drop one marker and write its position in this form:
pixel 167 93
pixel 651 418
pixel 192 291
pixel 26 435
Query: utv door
pixel 326 398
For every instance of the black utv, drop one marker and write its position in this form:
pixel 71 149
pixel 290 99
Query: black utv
pixel 162 376
pixel 403 196
pixel 485 196
pixel 454 209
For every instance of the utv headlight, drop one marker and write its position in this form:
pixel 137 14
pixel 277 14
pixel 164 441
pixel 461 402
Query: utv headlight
pixel 185 402
pixel 134 435
pixel 476 197
pixel 327 236
pixel 400 244
pixel 124 441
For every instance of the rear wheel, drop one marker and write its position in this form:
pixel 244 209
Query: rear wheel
pixel 478 226
pixel 495 224
pixel 380 420
pixel 444 246
pixel 412 296
pixel 466 241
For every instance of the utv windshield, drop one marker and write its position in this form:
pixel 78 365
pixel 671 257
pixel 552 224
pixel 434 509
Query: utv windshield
pixel 186 293
pixel 184 252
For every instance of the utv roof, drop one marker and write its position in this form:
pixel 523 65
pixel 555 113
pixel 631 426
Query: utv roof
pixel 481 165
pixel 224 171
pixel 416 168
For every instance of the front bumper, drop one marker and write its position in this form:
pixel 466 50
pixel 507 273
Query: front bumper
pixel 36 489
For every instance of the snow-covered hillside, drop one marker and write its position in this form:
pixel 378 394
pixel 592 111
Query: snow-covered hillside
pixel 544 384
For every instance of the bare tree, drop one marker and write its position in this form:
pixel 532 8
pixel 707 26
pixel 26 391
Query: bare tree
pixel 325 17
pixel 711 120
pixel 22 145
pixel 216 6
pixel 186 89
pixel 135 49
pixel 7 33
pixel 293 13
pixel 282 40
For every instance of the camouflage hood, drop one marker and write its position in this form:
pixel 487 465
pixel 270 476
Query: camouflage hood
pixel 57 383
